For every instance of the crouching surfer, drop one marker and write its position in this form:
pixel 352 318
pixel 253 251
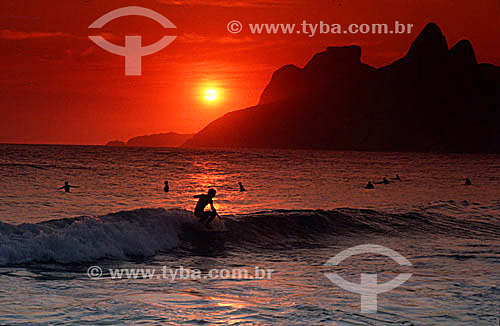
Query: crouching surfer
pixel 199 211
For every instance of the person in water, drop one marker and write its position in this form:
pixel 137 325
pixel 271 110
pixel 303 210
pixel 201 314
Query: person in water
pixel 397 177
pixel 369 185
pixel 384 181
pixel 468 182
pixel 67 187
pixel 199 211
pixel 166 188
pixel 241 186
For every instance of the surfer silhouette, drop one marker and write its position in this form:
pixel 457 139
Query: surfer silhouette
pixel 468 182
pixel 67 187
pixel 199 211
pixel 369 185
pixel 241 186
pixel 166 188
pixel 397 177
pixel 384 181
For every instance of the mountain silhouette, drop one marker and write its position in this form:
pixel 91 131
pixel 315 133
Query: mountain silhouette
pixel 170 139
pixel 432 99
pixel 116 143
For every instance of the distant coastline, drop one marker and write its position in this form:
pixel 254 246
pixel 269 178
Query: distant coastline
pixel 170 139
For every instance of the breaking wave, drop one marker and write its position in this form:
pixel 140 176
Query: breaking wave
pixel 147 232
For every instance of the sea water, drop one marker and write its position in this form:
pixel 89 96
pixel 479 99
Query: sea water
pixel 300 209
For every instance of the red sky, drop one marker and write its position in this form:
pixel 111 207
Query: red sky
pixel 57 86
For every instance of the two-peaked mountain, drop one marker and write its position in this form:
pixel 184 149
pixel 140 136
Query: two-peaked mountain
pixel 432 99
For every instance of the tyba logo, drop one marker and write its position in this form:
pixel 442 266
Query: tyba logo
pixel 133 51
pixel 369 288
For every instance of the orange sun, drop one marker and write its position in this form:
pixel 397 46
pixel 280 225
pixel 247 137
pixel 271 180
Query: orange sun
pixel 211 94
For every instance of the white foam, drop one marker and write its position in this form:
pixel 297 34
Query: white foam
pixel 142 232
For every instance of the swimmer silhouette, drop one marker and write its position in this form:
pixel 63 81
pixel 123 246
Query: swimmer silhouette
pixel 369 185
pixel 384 181
pixel 67 187
pixel 241 187
pixel 468 182
pixel 166 188
pixel 199 211
pixel 397 177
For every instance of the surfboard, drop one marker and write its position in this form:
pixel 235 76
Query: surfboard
pixel 214 229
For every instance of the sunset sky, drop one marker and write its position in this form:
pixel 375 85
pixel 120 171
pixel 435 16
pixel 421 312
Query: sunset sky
pixel 57 86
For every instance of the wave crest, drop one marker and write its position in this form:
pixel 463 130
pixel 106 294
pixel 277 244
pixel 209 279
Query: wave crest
pixel 146 232
pixel 142 232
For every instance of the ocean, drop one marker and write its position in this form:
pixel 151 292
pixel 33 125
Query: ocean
pixel 301 208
